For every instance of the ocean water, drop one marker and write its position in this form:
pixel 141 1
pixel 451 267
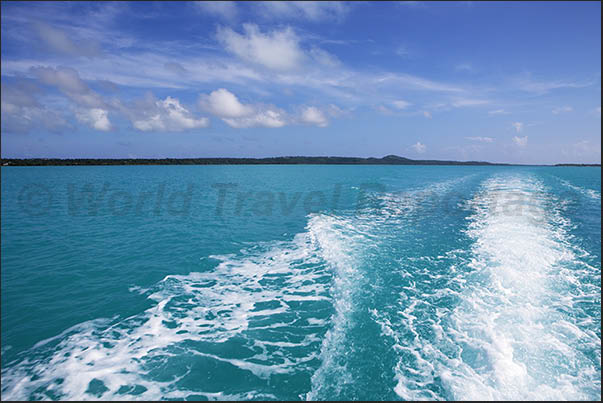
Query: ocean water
pixel 301 282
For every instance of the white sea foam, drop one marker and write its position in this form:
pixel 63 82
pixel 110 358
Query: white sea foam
pixel 347 246
pixel 341 242
pixel 399 205
pixel 277 288
pixel 593 194
pixel 509 336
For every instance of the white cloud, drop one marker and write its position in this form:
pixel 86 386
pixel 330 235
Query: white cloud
pixel 164 115
pixel 520 141
pixel 498 112
pixel 222 9
pixel 419 147
pixel 598 111
pixel 277 50
pixel 157 68
pixel 562 109
pixel 314 11
pixel 314 116
pixel 401 104
pixel 518 126
pixel 427 114
pixel 96 118
pixel 225 104
pixel 481 139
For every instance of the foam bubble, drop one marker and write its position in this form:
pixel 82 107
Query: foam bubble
pixel 262 312
pixel 508 336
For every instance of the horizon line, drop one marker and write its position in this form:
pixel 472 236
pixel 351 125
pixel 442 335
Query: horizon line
pixel 311 160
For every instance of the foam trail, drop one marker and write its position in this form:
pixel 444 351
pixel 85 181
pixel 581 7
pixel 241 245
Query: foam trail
pixel 350 248
pixel 263 312
pixel 339 242
pixel 510 337
pixel 593 194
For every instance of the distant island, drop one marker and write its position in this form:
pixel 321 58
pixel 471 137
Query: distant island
pixel 387 160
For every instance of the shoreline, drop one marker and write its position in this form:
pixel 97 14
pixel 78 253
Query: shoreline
pixel 388 160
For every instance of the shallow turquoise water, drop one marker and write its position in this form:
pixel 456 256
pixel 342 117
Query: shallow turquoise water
pixel 301 282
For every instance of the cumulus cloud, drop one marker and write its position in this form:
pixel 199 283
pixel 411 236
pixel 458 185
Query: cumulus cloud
pixel 233 112
pixel 276 50
pixel 518 126
pixel 58 41
pixel 225 104
pixel 481 139
pixel 562 109
pixel 314 116
pixel 169 115
pixel 520 141
pixel 419 147
pixel 96 118
pixel 226 10
pixel 498 112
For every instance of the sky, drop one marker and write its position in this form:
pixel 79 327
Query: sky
pixel 516 82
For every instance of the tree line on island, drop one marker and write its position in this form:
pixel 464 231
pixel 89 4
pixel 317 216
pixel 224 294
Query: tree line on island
pixel 387 160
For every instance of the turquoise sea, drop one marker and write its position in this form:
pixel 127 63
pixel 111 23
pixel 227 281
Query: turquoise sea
pixel 301 282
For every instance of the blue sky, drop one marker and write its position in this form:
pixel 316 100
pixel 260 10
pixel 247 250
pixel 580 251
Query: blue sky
pixel 504 82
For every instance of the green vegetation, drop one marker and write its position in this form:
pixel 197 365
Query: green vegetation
pixel 388 160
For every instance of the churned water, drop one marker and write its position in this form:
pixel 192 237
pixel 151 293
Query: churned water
pixel 301 282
